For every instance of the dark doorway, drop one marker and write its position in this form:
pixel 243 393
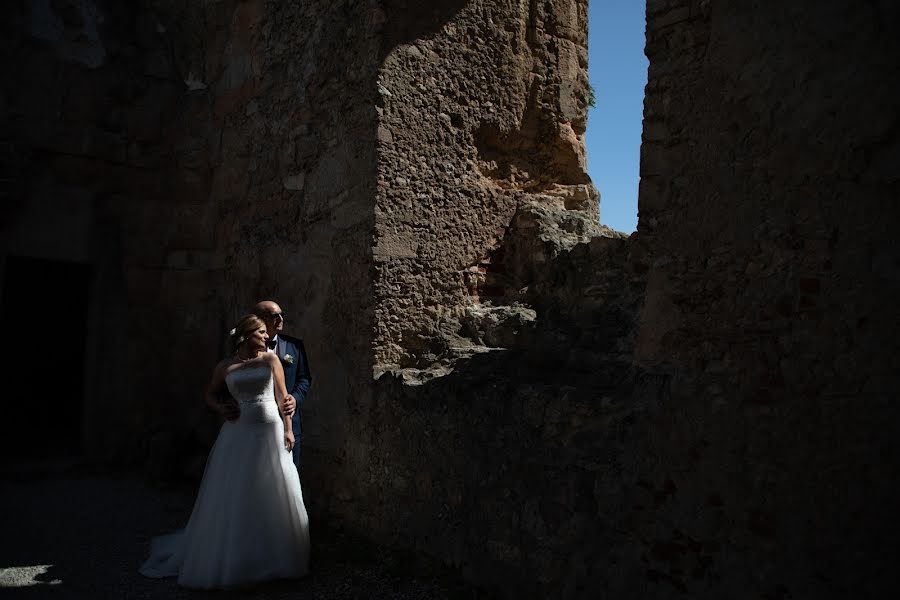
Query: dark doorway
pixel 43 317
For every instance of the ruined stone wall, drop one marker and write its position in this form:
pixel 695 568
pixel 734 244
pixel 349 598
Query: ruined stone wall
pixel 766 202
pixel 93 120
pixel 703 409
pixel 200 157
pixel 481 108
pixel 292 90
pixel 504 312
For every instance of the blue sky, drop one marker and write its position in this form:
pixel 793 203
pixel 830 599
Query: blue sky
pixel 617 69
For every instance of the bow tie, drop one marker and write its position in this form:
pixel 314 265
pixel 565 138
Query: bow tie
pixel 272 343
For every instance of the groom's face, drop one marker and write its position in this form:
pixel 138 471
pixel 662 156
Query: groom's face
pixel 274 319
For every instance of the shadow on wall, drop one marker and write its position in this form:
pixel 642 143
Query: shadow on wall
pixel 524 447
pixel 340 347
pixel 409 20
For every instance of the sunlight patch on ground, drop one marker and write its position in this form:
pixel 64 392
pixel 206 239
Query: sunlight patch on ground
pixel 17 577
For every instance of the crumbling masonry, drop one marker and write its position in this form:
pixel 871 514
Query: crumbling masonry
pixel 704 408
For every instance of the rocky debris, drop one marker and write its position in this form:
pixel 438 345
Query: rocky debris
pixel 496 326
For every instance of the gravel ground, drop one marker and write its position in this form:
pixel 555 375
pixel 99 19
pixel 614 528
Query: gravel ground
pixel 76 532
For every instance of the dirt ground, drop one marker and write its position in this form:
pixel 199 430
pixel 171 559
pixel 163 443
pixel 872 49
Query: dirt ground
pixel 73 531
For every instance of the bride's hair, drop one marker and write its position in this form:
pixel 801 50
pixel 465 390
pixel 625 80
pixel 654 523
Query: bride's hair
pixel 244 328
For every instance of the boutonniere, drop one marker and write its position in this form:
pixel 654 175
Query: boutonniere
pixel 289 359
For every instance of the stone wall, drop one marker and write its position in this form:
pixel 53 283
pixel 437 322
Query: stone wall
pixel 295 185
pixel 704 408
pixel 766 204
pixel 199 158
pixel 93 115
pixel 479 114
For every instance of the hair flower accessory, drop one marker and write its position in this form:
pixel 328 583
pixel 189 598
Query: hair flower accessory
pixel 289 359
pixel 233 331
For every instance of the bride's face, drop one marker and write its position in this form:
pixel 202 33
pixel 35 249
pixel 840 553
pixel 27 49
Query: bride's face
pixel 257 340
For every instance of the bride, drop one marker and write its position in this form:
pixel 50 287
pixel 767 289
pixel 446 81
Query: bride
pixel 249 523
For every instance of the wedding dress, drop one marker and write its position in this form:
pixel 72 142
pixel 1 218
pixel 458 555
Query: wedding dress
pixel 249 523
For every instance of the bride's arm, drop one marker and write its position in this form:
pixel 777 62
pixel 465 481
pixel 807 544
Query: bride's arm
pixel 280 394
pixel 214 387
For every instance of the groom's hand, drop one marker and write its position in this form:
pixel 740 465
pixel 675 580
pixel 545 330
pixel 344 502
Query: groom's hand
pixel 290 405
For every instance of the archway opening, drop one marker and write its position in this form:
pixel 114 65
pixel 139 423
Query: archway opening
pixel 44 318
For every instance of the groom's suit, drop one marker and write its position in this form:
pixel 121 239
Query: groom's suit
pixel 297 379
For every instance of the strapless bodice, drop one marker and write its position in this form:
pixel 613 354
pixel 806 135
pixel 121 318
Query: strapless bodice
pixel 251 385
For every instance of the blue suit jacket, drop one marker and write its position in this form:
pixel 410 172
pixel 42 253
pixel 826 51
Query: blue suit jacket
pixel 297 376
pixel 297 380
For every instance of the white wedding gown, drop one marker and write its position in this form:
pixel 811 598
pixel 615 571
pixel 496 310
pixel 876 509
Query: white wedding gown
pixel 249 523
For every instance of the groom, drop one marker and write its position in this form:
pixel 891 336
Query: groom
pixel 292 354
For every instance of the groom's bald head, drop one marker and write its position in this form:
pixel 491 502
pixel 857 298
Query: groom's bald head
pixel 271 314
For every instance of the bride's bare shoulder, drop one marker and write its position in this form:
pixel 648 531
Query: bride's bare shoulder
pixel 228 361
pixel 228 364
